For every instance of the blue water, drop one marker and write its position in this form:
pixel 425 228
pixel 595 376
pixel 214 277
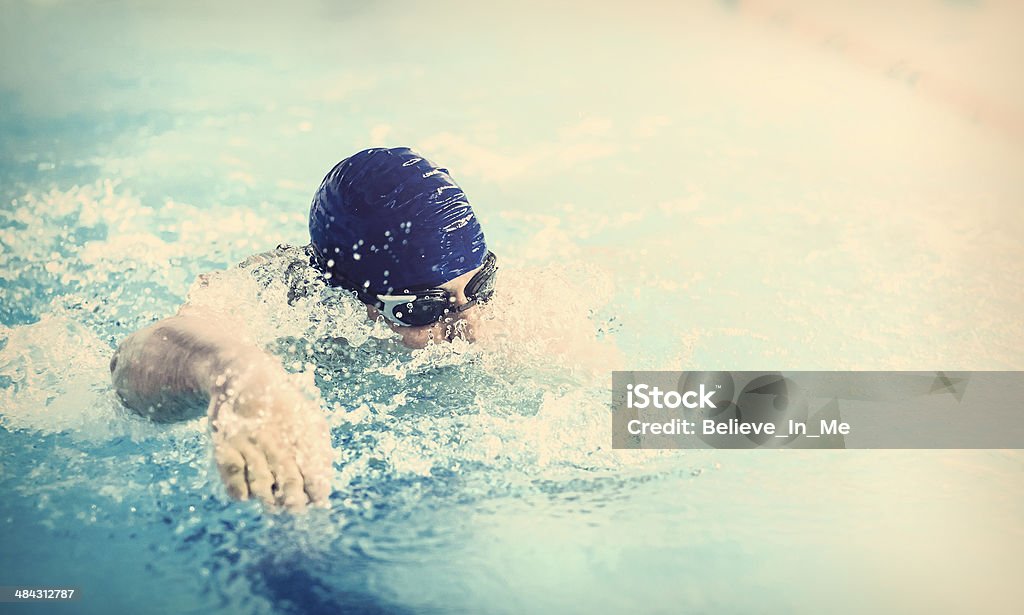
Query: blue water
pixel 708 187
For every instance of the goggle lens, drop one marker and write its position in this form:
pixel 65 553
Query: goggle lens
pixel 423 310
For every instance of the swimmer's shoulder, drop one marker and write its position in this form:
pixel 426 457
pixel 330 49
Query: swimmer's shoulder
pixel 292 265
pixel 284 254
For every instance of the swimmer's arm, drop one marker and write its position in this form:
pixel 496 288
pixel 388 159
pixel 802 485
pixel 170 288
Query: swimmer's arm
pixel 270 440
pixel 168 371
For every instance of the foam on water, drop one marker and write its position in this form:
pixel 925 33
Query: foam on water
pixel 53 375
pixel 529 395
pixel 523 411
pixel 528 401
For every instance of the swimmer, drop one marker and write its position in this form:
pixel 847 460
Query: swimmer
pixel 385 224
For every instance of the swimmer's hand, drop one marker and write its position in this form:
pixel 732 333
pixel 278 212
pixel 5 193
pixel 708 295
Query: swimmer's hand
pixel 270 440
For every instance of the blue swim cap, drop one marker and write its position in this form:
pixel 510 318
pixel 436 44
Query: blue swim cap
pixel 389 219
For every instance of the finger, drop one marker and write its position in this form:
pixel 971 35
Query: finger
pixel 290 492
pixel 257 473
pixel 314 462
pixel 316 480
pixel 232 470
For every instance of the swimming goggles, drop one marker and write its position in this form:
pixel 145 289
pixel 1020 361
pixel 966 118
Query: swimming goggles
pixel 419 307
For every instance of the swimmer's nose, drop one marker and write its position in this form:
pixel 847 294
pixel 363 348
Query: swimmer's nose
pixel 462 325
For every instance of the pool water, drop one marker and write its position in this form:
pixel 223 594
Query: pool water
pixel 720 186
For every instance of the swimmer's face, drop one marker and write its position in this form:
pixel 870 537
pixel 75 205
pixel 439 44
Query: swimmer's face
pixel 461 324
